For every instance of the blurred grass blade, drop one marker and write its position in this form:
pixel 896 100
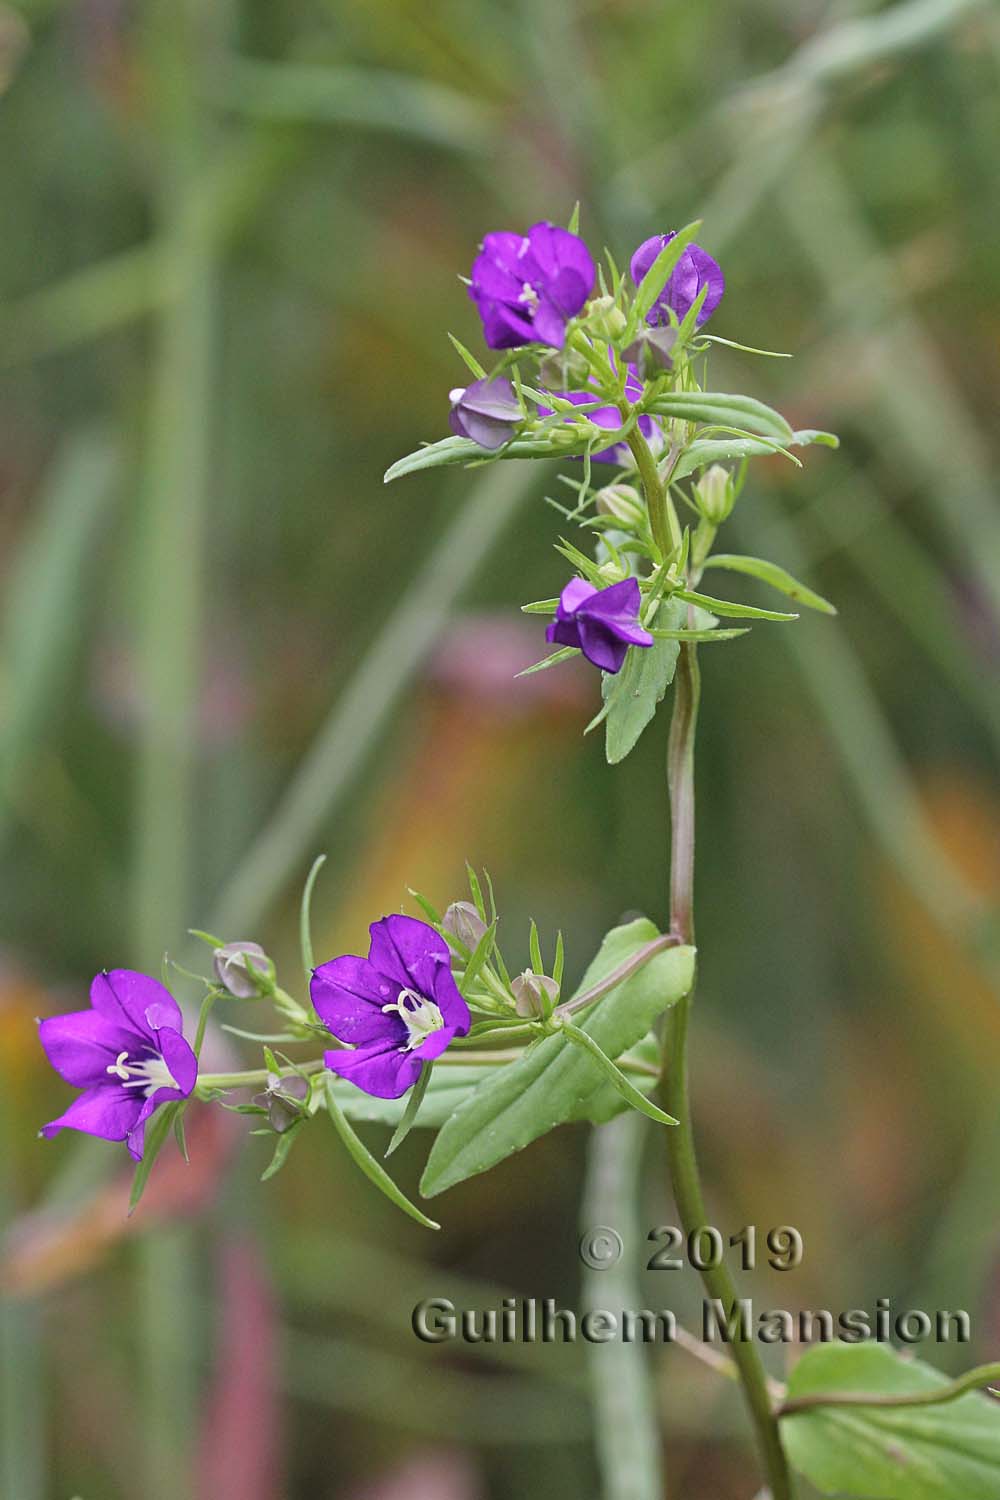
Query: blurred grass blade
pixel 362 709
pixel 359 98
pixel 49 594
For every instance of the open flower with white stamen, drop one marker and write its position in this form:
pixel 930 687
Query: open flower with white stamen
pixel 396 1009
pixel 127 1053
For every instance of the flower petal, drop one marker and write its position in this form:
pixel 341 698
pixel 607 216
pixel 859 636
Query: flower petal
pixel 82 1045
pixel 576 592
pixel 135 1001
pixel 408 952
pixel 180 1059
pixel 601 647
pixel 385 1073
pixel 108 1112
pixel 348 994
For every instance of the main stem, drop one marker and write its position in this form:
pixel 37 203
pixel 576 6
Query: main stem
pixel 674 1083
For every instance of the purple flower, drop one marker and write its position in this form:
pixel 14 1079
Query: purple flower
pixel 602 622
pixel 695 269
pixel 127 1053
pixel 611 418
pixel 527 287
pixel 396 1008
pixel 487 411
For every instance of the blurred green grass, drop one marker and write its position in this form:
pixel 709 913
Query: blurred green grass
pixel 230 254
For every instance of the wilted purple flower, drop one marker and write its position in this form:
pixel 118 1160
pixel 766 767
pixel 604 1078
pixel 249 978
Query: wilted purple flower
pixel 284 1100
pixel 527 287
pixel 463 921
pixel 611 418
pixel 127 1053
pixel 602 622
pixel 487 411
pixel 396 1008
pixel 695 269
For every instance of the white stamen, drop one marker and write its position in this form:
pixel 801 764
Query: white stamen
pixel 420 1016
pixel 529 296
pixel 149 1074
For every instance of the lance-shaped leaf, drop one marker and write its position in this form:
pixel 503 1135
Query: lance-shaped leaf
pixel 705 451
pixel 770 573
pixel 941 1452
pixel 723 410
pixel 555 1079
pixel 460 450
pixel 631 696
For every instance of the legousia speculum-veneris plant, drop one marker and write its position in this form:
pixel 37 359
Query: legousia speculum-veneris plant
pixel 604 371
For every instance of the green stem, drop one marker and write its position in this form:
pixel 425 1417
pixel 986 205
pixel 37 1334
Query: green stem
pixel 674 1087
pixel 662 515
pixel 972 1380
pixel 257 1077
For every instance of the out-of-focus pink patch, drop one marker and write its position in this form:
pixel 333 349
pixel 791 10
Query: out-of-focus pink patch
pixel 480 656
pixel 437 1475
pixel 241 1433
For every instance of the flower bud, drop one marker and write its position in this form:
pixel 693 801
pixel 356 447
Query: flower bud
pixel 605 318
pixel 612 572
pixel 534 995
pixel 623 502
pixel 283 1099
pixel 463 921
pixel 652 350
pixel 487 411
pixel 715 494
pixel 234 973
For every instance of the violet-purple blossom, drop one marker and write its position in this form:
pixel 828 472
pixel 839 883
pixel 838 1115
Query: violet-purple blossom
pixel 694 270
pixel 603 623
pixel 611 418
pixel 396 1009
pixel 528 286
pixel 127 1053
pixel 487 411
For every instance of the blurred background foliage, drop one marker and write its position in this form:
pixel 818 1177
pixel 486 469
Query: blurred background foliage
pixel 231 240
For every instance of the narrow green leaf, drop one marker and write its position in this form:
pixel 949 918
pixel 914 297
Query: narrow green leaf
pixel 563 654
pixel 628 1091
pixel 705 451
pixel 770 573
pixel 713 338
pixel 939 1452
pixel 282 1146
pixel 721 409
pixel 727 607
pixel 574 219
pixel 363 1158
pixel 305 916
pixel 540 607
pixel 480 955
pixel 535 949
pixel 699 635
pixel 207 937
pixel 179 1134
pixel 656 277
pixel 476 890
pixel 413 1103
pixel 555 1080
pixel 469 359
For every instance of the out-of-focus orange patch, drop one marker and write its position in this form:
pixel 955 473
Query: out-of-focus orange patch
pixel 948 982
pixel 50 1246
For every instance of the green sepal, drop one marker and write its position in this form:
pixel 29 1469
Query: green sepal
pixel 363 1158
pixel 616 1077
pixel 158 1129
pixel 413 1102
pixel 282 1146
